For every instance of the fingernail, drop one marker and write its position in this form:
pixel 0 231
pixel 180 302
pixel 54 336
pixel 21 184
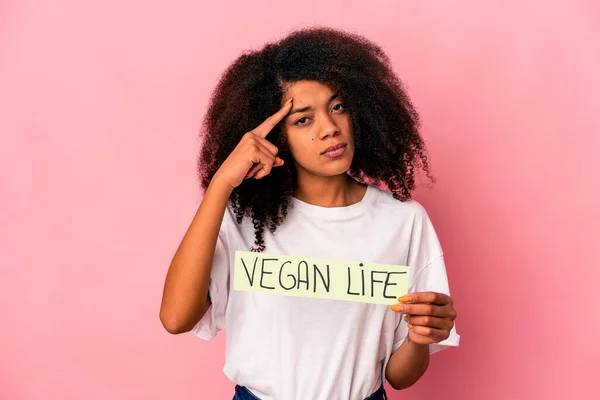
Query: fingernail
pixel 397 307
pixel 404 299
pixel 406 318
pixel 282 162
pixel 288 102
pixel 410 326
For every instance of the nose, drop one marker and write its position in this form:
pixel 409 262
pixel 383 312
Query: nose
pixel 328 127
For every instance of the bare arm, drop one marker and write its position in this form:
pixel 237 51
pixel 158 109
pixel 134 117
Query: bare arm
pixel 185 295
pixel 430 318
pixel 407 364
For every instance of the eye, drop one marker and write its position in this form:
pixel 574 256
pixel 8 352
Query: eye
pixel 341 107
pixel 301 119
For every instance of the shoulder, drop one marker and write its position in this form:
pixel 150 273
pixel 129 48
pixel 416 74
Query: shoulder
pixel 410 221
pixel 385 202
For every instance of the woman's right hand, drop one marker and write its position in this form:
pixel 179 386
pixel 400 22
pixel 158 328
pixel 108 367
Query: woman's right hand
pixel 254 155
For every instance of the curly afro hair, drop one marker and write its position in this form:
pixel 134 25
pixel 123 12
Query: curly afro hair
pixel 385 125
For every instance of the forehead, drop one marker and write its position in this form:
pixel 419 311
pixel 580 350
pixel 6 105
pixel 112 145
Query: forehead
pixel 307 91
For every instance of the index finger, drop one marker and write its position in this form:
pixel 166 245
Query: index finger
pixel 426 297
pixel 268 124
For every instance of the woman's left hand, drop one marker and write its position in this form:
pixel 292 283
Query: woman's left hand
pixel 430 316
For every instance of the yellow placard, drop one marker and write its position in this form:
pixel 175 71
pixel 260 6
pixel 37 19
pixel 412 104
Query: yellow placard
pixel 322 278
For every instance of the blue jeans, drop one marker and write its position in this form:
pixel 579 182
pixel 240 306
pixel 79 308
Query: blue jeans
pixel 242 393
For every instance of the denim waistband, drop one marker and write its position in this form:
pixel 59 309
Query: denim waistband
pixel 242 393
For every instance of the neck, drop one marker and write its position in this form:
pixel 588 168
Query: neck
pixel 329 191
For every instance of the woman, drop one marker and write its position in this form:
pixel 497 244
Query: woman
pixel 298 138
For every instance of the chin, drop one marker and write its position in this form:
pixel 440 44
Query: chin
pixel 340 167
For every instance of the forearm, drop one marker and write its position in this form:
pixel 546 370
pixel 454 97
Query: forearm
pixel 407 364
pixel 185 295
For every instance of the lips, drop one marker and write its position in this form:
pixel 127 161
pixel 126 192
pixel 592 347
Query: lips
pixel 333 148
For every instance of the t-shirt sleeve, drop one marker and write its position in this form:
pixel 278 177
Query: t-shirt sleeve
pixel 431 277
pixel 218 287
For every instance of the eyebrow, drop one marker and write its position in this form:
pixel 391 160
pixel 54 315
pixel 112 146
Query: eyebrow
pixel 303 109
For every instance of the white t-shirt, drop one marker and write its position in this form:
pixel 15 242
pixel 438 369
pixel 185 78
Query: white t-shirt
pixel 296 348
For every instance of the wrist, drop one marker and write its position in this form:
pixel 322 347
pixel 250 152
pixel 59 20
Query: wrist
pixel 218 185
pixel 414 345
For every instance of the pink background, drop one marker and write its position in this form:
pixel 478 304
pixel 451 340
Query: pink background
pixel 99 109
